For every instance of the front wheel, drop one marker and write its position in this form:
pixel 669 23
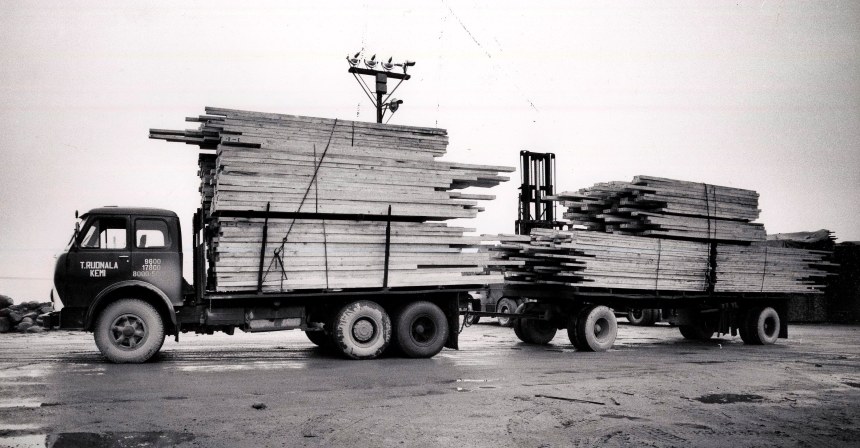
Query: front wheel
pixel 129 331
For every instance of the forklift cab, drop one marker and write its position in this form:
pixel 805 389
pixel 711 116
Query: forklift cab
pixel 115 250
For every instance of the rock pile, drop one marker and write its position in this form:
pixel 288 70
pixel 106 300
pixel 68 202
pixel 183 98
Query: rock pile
pixel 26 317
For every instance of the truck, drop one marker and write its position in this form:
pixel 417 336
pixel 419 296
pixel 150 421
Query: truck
pixel 120 277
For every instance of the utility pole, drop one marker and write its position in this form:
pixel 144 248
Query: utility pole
pixel 381 77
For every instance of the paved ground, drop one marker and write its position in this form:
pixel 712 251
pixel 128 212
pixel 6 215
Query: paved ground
pixel 652 389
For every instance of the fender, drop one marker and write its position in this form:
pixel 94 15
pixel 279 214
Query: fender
pixel 88 320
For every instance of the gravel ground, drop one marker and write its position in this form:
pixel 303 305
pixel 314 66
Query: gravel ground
pixel 277 389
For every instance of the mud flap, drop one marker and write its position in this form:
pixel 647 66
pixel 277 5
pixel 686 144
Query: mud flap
pixel 451 307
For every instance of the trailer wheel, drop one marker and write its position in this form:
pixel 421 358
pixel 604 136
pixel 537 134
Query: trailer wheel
pixel 642 317
pixel 762 326
pixel 507 306
pixel 470 319
pixel 362 330
pixel 129 331
pixel 421 330
pixel 595 329
pixel 533 331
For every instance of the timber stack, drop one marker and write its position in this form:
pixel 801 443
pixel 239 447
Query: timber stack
pixel 653 206
pixel 658 234
pixel 333 203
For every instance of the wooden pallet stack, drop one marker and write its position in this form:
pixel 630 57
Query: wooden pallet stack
pixel 653 206
pixel 331 187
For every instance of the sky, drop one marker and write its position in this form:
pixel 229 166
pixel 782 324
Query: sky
pixel 763 95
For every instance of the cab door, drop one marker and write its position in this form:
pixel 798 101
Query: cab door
pixel 101 259
pixel 156 258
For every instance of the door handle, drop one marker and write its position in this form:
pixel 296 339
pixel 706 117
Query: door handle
pixel 124 257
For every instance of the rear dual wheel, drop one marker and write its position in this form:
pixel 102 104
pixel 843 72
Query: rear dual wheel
pixel 593 329
pixel 760 326
pixel 421 330
pixel 533 331
pixel 642 317
pixel 363 330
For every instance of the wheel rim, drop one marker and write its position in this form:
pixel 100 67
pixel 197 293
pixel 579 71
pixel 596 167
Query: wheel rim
pixel 423 329
pixel 601 328
pixel 364 330
pixel 637 315
pixel 769 326
pixel 128 331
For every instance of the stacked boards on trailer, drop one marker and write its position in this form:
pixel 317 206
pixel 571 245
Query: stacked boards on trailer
pixel 658 207
pixel 334 203
pixel 603 260
pixel 656 234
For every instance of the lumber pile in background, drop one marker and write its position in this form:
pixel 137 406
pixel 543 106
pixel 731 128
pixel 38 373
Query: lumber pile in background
pixel 653 206
pixel 657 234
pixel 328 186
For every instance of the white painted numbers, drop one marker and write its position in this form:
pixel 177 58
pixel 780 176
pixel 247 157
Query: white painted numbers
pixel 151 267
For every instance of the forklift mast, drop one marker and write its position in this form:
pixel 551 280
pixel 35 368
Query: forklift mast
pixel 538 182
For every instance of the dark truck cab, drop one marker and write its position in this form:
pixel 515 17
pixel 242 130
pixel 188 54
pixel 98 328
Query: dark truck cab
pixel 120 277
pixel 121 252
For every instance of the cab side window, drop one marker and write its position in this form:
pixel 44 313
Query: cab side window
pixel 151 234
pixel 106 233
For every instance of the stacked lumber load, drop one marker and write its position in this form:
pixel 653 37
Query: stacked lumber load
pixel 601 260
pixel 321 194
pixel 653 206
pixel 760 268
pixel 604 260
pixel 346 254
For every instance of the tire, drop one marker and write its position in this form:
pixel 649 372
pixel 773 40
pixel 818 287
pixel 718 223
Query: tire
pixel 696 332
pixel 508 306
pixel 533 331
pixel 421 330
pixel 361 330
pixel 571 330
pixel 471 320
pixel 642 317
pixel 595 329
pixel 320 338
pixel 129 331
pixel 762 326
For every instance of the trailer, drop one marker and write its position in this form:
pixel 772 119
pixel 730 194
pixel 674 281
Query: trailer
pixel 588 317
pixel 120 277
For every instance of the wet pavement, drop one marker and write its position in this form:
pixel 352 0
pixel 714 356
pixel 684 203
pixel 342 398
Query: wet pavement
pixel 277 389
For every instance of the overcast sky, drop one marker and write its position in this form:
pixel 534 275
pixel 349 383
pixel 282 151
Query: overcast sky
pixel 762 95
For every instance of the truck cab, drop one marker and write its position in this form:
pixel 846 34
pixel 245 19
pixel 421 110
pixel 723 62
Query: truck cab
pixel 120 253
